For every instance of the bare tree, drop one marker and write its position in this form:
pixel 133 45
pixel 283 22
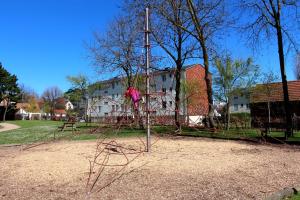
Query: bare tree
pixel 27 93
pixel 267 88
pixel 119 50
pixel 49 96
pixel 176 43
pixel 270 17
pixel 208 18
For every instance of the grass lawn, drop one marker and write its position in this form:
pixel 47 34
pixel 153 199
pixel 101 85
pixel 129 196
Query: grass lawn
pixel 35 130
pixel 44 130
pixel 30 131
pixel 295 197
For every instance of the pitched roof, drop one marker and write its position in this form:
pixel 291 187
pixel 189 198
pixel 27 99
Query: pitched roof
pixel 24 106
pixel 273 92
pixel 60 111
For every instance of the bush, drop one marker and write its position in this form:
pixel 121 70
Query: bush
pixel 240 120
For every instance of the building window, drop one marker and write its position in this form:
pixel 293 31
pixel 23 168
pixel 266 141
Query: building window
pixel 164 90
pixel 113 108
pixel 105 114
pixel 242 105
pixel 99 108
pixel 105 92
pixel 236 107
pixel 164 104
pixel 105 103
pixel 117 107
pixel 153 86
pixel 247 106
pixel 235 97
pixel 163 77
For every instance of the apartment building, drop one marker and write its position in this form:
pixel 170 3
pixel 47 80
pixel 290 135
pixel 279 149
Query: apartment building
pixel 109 101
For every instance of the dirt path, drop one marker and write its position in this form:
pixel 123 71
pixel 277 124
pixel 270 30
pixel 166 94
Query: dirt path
pixel 175 169
pixel 7 127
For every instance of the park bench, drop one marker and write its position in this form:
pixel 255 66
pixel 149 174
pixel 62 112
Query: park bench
pixel 67 125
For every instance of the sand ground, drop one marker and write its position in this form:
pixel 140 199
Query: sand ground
pixel 177 168
pixel 7 127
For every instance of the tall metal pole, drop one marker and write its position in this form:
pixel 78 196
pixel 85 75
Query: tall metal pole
pixel 147 48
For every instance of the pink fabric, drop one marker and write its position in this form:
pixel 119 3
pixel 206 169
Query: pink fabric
pixel 134 94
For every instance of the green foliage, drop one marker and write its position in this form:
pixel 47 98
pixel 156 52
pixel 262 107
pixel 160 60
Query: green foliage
pixel 240 120
pixel 233 76
pixel 8 85
pixel 73 95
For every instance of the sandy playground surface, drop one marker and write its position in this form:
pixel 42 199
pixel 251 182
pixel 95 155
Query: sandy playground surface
pixel 177 168
pixel 7 127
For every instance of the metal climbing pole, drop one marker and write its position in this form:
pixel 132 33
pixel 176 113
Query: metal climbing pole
pixel 147 50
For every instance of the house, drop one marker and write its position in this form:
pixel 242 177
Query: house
pixel 109 100
pixel 265 96
pixel 240 102
pixel 62 105
pixel 28 111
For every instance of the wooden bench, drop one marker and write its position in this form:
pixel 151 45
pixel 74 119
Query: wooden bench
pixel 66 125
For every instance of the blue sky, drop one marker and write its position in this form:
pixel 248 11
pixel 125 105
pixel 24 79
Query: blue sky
pixel 43 41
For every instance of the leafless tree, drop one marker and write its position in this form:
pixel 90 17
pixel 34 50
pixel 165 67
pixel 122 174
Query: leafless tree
pixel 208 19
pixel 273 17
pixel 176 43
pixel 49 96
pixel 268 89
pixel 202 21
pixel 27 93
pixel 119 49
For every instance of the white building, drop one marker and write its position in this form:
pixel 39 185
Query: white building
pixel 109 101
pixel 240 103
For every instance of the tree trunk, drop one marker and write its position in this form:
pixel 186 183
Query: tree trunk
pixel 269 117
pixel 201 40
pixel 6 108
pixel 177 95
pixel 208 86
pixel 288 115
pixel 228 116
pixel 4 114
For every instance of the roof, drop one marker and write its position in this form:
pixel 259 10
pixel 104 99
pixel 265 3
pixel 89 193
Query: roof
pixel 273 92
pixel 60 111
pixel 22 105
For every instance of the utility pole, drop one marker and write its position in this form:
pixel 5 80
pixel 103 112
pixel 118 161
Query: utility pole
pixel 147 48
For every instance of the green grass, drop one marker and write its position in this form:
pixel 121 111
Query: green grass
pixel 29 131
pixel 33 131
pixel 43 130
pixel 295 197
pixel 235 134
pixel 34 123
